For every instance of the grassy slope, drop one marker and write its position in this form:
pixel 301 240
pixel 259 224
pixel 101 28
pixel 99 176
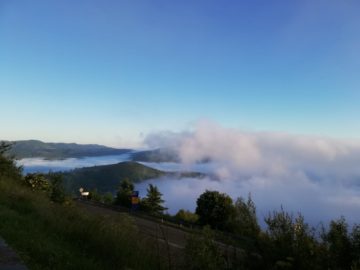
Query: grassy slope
pixel 34 148
pixel 107 177
pixel 52 236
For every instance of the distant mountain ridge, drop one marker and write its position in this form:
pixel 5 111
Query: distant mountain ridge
pixel 36 148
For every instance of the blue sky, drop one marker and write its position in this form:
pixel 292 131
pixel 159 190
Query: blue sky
pixel 111 72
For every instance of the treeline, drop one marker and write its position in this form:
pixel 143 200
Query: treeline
pixel 152 203
pixel 287 242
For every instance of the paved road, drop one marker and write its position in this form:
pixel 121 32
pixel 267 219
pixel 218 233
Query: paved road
pixel 9 260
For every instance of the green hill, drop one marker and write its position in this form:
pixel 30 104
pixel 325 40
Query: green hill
pixel 107 177
pixel 157 155
pixel 35 148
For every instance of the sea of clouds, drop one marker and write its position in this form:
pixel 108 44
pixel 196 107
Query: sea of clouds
pixel 317 176
pixel 32 165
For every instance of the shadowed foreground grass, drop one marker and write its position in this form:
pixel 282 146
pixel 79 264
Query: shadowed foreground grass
pixel 53 236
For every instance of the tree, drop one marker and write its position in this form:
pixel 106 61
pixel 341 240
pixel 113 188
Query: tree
pixel 280 238
pixel 37 181
pixel 152 203
pixel 215 209
pixel 338 244
pixel 355 242
pixel 57 190
pixel 8 166
pixel 4 147
pixel 245 221
pixel 307 252
pixel 123 195
pixel 291 243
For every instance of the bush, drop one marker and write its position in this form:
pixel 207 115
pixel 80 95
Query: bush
pixel 95 196
pixel 108 198
pixel 57 190
pixel 37 181
pixel 186 216
pixel 201 252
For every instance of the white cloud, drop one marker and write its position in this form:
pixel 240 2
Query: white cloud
pixel 315 175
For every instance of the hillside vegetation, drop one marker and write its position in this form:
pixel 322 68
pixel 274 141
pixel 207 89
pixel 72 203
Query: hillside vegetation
pixel 50 232
pixel 35 148
pixel 107 177
pixel 51 235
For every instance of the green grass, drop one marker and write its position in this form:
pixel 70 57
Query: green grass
pixel 52 236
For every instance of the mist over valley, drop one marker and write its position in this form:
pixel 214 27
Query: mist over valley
pixel 316 176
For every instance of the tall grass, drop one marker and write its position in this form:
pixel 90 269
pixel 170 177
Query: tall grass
pixel 53 236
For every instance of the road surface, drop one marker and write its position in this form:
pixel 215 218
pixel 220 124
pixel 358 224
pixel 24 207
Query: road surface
pixel 9 260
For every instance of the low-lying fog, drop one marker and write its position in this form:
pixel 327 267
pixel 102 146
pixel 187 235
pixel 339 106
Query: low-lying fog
pixel 319 177
pixel 31 165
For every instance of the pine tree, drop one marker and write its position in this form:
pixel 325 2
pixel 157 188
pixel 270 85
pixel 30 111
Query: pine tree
pixel 123 196
pixel 152 203
pixel 57 189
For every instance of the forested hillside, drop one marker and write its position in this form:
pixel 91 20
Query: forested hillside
pixel 35 148
pixel 107 177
